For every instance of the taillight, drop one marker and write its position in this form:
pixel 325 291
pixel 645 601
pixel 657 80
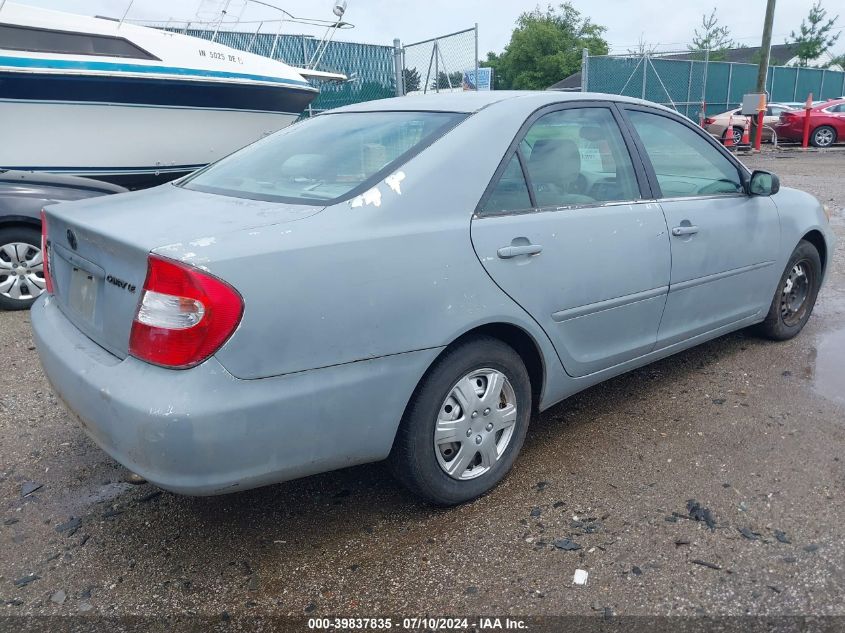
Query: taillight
pixel 185 315
pixel 708 121
pixel 45 254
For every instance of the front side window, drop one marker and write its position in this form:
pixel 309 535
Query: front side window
pixel 325 158
pixel 22 38
pixel 577 156
pixel 685 163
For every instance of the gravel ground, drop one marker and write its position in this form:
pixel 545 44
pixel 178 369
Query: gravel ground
pixel 752 430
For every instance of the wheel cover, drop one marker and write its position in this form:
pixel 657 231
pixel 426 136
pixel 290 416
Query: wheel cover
pixel 795 293
pixel 21 271
pixel 824 137
pixel 475 424
pixel 737 136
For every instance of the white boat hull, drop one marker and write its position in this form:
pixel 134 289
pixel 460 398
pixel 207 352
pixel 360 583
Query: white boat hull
pixel 103 140
pixel 119 102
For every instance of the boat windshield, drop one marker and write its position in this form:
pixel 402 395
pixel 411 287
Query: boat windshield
pixel 324 160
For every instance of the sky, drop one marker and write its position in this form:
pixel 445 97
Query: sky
pixel 669 25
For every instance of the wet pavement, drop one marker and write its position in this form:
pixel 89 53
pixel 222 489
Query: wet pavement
pixel 710 482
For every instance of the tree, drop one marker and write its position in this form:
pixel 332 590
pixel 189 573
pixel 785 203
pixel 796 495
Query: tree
pixel 643 48
pixel 545 47
pixel 444 81
pixel 411 78
pixel 839 60
pixel 814 37
pixel 712 37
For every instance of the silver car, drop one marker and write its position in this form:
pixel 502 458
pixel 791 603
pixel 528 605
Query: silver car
pixel 409 279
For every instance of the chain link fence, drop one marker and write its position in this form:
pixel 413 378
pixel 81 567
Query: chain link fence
pixel 678 84
pixel 693 84
pixel 446 63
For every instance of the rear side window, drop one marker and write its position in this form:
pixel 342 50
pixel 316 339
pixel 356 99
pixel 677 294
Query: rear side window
pixel 577 156
pixel 510 193
pixel 22 38
pixel 685 164
pixel 574 156
pixel 324 159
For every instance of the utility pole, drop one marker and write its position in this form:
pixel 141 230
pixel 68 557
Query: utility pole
pixel 766 46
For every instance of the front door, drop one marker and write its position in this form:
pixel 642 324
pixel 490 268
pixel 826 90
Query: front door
pixel 565 231
pixel 723 240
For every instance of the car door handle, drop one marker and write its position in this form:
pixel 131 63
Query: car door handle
pixel 506 252
pixel 684 230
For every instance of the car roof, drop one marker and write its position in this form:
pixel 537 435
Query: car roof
pixel 776 104
pixel 472 101
pixel 828 103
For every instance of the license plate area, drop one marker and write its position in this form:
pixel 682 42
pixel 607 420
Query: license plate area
pixel 82 293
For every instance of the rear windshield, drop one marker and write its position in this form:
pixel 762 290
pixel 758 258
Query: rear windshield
pixel 324 159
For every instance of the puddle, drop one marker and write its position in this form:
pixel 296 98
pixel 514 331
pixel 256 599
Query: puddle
pixel 829 375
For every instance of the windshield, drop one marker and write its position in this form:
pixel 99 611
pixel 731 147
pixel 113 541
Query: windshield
pixel 324 159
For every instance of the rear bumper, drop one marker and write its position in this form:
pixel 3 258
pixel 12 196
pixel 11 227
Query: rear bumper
pixel 789 132
pixel 716 129
pixel 203 432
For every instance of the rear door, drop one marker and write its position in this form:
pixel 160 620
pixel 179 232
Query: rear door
pixel 723 240
pixel 567 230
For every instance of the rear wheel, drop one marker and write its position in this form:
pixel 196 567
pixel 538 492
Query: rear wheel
pixel 823 136
pixel 796 294
pixel 21 267
pixel 465 423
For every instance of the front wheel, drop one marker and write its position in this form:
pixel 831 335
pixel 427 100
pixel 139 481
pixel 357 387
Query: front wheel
pixel 465 424
pixel 737 133
pixel 823 136
pixel 796 294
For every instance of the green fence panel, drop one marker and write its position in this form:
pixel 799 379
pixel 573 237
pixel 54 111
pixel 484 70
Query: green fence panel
pixel 809 81
pixel 669 81
pixel 620 75
pixel 782 84
pixel 832 87
pixel 719 87
pixel 679 83
pixel 697 73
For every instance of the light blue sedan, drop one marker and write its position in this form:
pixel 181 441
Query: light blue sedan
pixel 409 279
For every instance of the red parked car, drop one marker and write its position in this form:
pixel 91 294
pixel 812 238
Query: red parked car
pixel 827 124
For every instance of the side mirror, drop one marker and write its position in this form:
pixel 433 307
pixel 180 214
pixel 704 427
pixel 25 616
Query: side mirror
pixel 763 183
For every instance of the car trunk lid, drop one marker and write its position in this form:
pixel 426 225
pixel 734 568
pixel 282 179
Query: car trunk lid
pixel 98 248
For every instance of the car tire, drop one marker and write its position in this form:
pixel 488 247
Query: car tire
pixel 823 136
pixel 470 375
pixel 795 295
pixel 737 132
pixel 20 246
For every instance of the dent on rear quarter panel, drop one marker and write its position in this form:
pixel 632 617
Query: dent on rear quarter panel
pixel 390 271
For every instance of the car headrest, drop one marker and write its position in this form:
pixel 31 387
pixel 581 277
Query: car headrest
pixel 554 160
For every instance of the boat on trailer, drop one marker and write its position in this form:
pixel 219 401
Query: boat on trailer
pixel 133 105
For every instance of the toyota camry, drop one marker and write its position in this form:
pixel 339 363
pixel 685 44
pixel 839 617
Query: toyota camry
pixel 412 280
